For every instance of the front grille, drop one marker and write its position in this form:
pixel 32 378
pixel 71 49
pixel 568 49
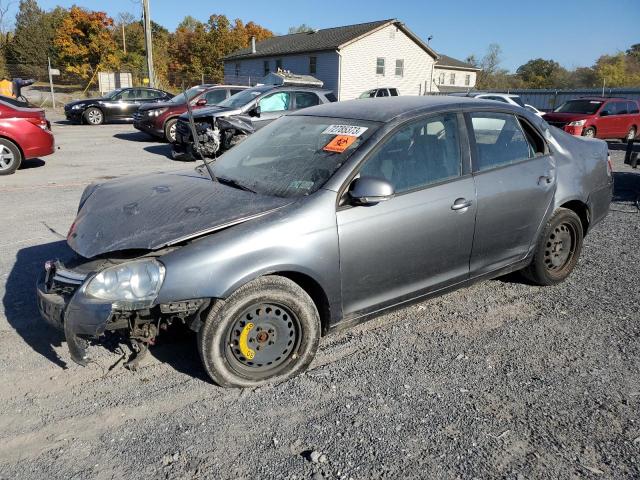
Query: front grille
pixel 65 282
pixel 137 117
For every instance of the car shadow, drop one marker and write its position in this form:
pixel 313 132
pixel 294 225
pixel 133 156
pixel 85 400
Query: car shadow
pixel 19 300
pixel 178 348
pixel 163 149
pixel 32 163
pixel 134 137
pixel 623 146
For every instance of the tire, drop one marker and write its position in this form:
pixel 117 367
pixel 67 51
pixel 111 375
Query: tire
pixel 170 130
pixel 93 116
pixel 557 250
pixel 10 157
pixel 589 132
pixel 242 337
pixel 631 135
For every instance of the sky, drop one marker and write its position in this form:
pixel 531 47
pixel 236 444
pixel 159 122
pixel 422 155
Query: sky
pixel 572 32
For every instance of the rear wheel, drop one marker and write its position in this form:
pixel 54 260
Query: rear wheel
pixel 267 331
pixel 94 116
pixel 170 130
pixel 589 132
pixel 557 250
pixel 631 134
pixel 10 157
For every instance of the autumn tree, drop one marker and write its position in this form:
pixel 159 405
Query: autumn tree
pixel 85 44
pixel 541 73
pixel 302 28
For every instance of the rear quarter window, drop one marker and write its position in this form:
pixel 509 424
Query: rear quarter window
pixel 632 107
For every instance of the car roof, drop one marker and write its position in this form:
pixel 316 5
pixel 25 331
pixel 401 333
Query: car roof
pixel 475 94
pixel 385 109
pixel 602 99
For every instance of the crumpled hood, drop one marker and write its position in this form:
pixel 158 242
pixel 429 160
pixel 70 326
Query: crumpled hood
pixel 152 211
pixel 211 112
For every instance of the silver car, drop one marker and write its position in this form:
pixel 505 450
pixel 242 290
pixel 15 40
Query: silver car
pixel 321 220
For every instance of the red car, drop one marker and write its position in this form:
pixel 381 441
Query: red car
pixel 597 117
pixel 159 119
pixel 24 133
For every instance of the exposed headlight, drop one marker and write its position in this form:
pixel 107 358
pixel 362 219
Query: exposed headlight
pixel 77 106
pixel 577 123
pixel 129 286
pixel 156 112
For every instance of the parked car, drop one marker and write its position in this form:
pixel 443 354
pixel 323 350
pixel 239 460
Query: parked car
pixel 223 126
pixel 509 98
pixel 597 117
pixel 24 133
pixel 159 119
pixel 380 92
pixel 118 104
pixel 275 249
pixel 533 109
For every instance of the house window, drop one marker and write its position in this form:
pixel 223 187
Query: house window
pixel 266 67
pixel 399 67
pixel 452 79
pixel 467 80
pixel 278 64
pixel 312 64
pixel 237 69
pixel 380 66
pixel 441 79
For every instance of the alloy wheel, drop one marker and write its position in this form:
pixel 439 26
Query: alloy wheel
pixel 94 116
pixel 6 158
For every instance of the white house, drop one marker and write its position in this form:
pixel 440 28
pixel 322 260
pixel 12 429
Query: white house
pixel 451 75
pixel 348 59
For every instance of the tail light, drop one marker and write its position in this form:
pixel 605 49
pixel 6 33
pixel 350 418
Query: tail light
pixel 39 122
pixel 609 165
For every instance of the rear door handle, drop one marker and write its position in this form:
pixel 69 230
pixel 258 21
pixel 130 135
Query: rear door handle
pixel 461 204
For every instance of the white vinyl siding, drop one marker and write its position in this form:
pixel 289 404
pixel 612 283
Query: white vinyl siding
pixel 358 59
pixel 462 78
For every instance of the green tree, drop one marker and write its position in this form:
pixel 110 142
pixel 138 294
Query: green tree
pixel 611 70
pixel 300 29
pixel 541 73
pixel 32 41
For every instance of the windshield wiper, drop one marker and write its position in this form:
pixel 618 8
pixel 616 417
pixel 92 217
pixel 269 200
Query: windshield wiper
pixel 234 183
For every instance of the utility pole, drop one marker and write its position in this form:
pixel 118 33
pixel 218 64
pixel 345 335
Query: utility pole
pixel 53 97
pixel 124 40
pixel 148 43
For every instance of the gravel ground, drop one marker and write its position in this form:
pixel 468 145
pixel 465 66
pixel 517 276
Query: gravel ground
pixel 499 380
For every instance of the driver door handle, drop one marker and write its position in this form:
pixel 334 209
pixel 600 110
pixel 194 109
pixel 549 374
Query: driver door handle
pixel 461 204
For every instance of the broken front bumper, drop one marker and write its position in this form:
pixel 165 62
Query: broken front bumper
pixel 63 305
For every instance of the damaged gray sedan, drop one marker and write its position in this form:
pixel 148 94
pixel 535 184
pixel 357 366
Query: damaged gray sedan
pixel 321 220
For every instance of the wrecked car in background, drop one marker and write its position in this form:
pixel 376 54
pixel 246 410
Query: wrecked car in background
pixel 221 127
pixel 272 247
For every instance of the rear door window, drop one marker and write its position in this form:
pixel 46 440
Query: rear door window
pixel 621 108
pixel 393 92
pixel 306 99
pixel 499 140
pixel 382 93
pixel 214 97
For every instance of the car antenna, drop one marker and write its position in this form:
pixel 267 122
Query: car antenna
pixel 194 135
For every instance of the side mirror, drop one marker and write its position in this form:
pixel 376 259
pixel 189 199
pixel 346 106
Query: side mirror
pixel 201 102
pixel 604 113
pixel 255 111
pixel 370 190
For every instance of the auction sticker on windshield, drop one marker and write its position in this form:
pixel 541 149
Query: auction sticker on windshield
pixel 339 143
pixel 351 130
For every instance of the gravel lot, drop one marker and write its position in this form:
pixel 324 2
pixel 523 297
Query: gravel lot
pixel 499 380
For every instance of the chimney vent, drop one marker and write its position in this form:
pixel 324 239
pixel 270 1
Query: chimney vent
pixel 253 44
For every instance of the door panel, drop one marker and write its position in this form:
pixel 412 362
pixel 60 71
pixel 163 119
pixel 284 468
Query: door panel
pixel 515 183
pixel 421 239
pixel 410 244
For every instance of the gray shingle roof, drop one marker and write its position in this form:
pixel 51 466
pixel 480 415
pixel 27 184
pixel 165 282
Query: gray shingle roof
pixel 446 61
pixel 318 40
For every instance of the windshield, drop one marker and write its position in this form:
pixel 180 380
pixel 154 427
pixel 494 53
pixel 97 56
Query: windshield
pixel 586 107
pixel 518 100
pixel 293 156
pixel 240 99
pixel 191 93
pixel 112 93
